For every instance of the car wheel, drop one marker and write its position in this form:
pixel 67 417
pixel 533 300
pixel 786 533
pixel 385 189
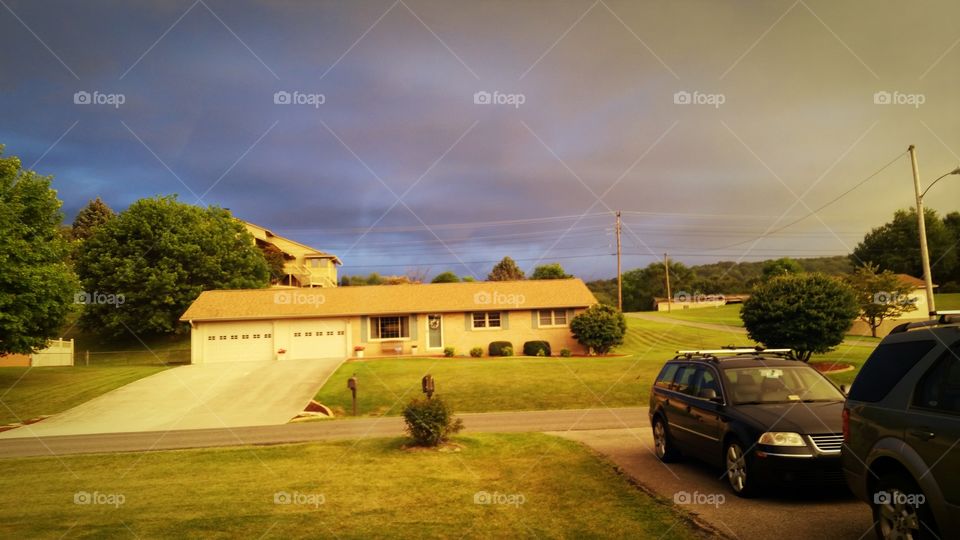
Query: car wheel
pixel 662 444
pixel 900 509
pixel 739 467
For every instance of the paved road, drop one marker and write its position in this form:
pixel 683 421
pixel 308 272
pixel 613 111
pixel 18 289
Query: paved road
pixel 223 395
pixel 498 422
pixel 825 513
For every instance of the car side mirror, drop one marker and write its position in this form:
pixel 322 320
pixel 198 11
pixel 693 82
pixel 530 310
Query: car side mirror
pixel 844 390
pixel 709 393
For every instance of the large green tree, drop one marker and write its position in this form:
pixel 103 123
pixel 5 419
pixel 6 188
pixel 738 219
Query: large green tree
pixel 779 267
pixel 895 246
pixel 880 295
pixel 36 286
pixel 505 270
pixel 549 271
pixel 600 328
pixel 642 285
pixel 809 313
pixel 156 257
pixel 90 218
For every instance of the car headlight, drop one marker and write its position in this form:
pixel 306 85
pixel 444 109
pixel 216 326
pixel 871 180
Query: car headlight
pixel 782 438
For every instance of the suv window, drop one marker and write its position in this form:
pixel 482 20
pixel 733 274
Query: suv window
pixel 665 379
pixel 684 381
pixel 939 388
pixel 885 367
pixel 706 381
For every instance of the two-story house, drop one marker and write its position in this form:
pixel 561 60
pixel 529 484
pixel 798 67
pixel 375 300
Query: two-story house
pixel 304 266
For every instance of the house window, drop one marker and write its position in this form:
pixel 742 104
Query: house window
pixel 223 338
pixel 268 335
pixel 389 327
pixel 233 337
pixel 246 336
pixel 553 317
pixel 308 334
pixel 256 336
pixel 296 334
pixel 315 263
pixel 212 338
pixel 339 332
pixel 487 319
pixel 330 333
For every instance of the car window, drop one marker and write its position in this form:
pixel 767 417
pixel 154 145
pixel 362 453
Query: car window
pixel 685 379
pixel 665 379
pixel 782 384
pixel 939 388
pixel 706 381
pixel 885 367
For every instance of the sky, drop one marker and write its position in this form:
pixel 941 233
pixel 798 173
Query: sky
pixel 445 135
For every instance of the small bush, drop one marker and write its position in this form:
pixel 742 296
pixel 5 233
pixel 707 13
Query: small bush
pixel 496 348
pixel 449 352
pixel 430 421
pixel 599 328
pixel 565 353
pixel 507 351
pixel 476 352
pixel 536 348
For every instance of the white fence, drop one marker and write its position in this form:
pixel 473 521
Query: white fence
pixel 57 353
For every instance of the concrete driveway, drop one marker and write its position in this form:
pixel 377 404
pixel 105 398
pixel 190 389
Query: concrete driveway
pixel 223 395
pixel 822 513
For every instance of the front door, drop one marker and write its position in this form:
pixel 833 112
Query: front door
pixel 435 331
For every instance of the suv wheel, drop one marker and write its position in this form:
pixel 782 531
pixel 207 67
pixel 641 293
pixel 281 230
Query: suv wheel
pixel 900 509
pixel 662 444
pixel 739 467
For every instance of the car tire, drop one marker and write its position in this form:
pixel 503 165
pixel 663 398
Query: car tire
pixel 740 472
pixel 663 446
pixel 900 510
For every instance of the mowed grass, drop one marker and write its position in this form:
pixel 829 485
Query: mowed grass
pixel 30 392
pixel 948 301
pixel 726 315
pixel 366 489
pixel 531 383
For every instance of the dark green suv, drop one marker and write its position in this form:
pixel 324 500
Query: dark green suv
pixel 901 427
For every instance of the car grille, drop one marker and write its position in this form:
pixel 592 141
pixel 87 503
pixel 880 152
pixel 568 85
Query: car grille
pixel 830 443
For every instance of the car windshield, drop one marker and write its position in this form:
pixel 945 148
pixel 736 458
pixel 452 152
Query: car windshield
pixel 792 384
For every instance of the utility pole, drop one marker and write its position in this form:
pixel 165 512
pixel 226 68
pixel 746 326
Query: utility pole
pixel 619 274
pixel 922 226
pixel 666 267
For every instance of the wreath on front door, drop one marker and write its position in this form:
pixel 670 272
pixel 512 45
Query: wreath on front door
pixel 434 324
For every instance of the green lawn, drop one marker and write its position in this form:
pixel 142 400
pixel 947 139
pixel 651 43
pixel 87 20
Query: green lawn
pixel 363 489
pixel 531 383
pixel 728 315
pixel 948 301
pixel 29 392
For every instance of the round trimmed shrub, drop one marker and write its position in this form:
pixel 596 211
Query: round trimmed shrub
pixel 565 353
pixel 536 348
pixel 476 352
pixel 430 421
pixel 449 352
pixel 497 348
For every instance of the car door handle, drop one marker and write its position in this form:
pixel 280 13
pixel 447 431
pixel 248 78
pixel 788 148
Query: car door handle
pixel 923 434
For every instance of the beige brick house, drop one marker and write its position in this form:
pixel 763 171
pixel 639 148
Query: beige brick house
pixel 386 320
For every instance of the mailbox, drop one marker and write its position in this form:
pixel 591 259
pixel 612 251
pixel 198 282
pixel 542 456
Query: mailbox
pixel 352 383
pixel 428 385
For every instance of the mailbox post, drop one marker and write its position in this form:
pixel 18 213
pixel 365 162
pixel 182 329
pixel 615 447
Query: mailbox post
pixel 427 385
pixel 352 385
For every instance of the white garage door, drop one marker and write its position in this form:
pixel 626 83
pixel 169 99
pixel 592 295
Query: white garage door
pixel 238 341
pixel 321 338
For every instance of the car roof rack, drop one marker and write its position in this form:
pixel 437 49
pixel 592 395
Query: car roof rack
pixel 943 318
pixel 714 354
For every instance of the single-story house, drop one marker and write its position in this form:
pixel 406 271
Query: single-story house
pixel 265 324
pixel 917 296
pixel 697 301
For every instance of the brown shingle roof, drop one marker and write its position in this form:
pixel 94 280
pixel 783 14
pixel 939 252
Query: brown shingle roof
pixel 383 299
pixel 911 281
